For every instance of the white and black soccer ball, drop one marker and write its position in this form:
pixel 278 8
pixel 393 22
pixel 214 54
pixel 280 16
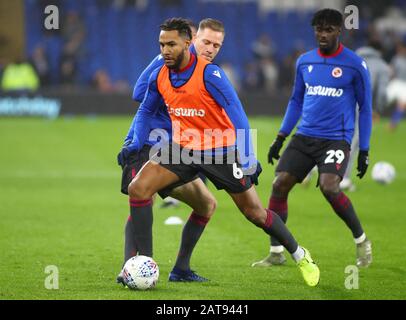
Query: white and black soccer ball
pixel 383 172
pixel 140 272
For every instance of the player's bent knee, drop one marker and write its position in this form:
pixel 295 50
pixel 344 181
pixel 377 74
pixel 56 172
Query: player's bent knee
pixel 211 207
pixel 329 189
pixel 133 191
pixel 137 191
pixel 208 207
pixel 281 185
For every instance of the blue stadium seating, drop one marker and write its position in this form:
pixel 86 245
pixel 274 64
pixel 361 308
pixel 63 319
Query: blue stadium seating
pixel 123 41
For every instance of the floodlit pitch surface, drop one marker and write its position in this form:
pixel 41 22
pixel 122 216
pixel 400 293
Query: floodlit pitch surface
pixel 60 205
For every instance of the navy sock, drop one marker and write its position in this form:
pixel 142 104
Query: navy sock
pixel 141 216
pixel 275 227
pixel 344 209
pixel 190 235
pixel 130 246
pixel 280 207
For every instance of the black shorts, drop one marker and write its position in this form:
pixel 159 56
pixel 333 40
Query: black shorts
pixel 166 192
pixel 135 163
pixel 303 153
pixel 223 175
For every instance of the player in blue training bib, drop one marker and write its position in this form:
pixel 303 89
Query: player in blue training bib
pixel 330 82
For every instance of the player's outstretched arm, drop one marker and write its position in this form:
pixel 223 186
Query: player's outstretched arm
pixel 295 105
pixel 363 95
pixel 292 115
pixel 141 129
pixel 140 90
pixel 130 133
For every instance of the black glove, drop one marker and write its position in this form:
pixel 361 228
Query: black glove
pixel 363 162
pixel 275 149
pixel 254 177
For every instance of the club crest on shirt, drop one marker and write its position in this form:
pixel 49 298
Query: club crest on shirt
pixel 217 73
pixel 337 72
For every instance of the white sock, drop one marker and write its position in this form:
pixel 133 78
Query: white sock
pixel 360 239
pixel 276 249
pixel 298 254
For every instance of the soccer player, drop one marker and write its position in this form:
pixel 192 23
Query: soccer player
pixel 208 43
pixel 202 105
pixel 329 83
pixel 380 75
pixel 169 201
pixel 138 229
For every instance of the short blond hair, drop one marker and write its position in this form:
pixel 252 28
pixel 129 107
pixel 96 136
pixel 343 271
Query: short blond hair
pixel 212 24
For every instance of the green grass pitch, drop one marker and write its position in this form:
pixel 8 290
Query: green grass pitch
pixel 60 205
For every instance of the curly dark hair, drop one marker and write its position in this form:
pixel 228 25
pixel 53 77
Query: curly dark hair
pixel 327 17
pixel 179 24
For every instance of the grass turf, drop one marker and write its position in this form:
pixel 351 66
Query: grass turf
pixel 60 205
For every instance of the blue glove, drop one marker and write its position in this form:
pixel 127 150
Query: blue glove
pixel 254 177
pixel 124 154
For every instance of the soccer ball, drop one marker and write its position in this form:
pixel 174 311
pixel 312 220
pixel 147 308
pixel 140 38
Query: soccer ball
pixel 140 272
pixel 383 172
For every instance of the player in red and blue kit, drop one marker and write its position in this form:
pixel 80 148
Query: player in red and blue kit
pixel 138 230
pixel 329 83
pixel 202 103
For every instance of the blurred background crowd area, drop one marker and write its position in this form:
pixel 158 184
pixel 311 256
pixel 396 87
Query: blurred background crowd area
pixel 105 44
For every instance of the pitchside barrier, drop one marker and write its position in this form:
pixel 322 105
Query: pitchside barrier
pixel 52 103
